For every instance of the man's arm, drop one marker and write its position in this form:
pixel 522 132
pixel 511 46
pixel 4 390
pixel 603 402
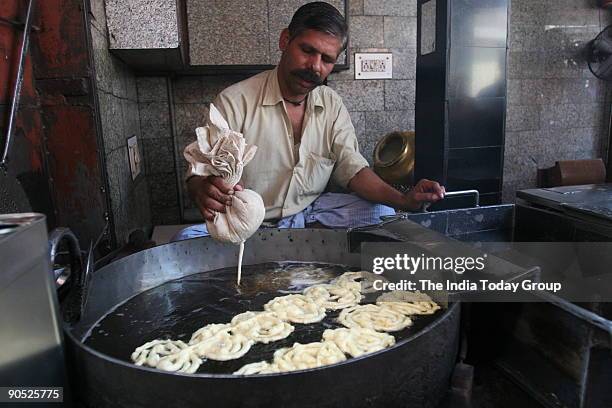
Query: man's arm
pixel 351 171
pixel 369 186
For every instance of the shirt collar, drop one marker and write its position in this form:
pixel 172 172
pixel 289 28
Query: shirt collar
pixel 273 95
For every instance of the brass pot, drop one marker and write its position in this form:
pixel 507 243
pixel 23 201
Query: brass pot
pixel 394 157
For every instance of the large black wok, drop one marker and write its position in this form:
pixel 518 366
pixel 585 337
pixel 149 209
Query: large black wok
pixel 413 373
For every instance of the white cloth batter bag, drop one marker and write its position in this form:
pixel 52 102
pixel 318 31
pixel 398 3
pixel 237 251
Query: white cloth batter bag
pixel 219 151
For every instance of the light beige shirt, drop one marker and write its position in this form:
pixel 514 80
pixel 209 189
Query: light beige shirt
pixel 328 145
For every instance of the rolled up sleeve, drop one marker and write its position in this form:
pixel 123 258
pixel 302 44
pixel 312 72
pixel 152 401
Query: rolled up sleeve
pixel 346 149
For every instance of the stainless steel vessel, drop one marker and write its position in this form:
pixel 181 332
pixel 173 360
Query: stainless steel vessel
pixel 30 329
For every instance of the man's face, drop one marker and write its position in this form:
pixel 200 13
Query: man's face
pixel 307 59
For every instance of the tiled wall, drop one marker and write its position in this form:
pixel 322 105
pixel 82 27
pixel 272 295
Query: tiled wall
pixel 158 148
pixel 557 110
pixel 119 115
pixel 378 107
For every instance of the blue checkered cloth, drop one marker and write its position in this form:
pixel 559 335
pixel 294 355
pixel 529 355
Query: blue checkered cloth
pixel 332 210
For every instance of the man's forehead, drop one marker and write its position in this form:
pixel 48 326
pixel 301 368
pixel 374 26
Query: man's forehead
pixel 325 43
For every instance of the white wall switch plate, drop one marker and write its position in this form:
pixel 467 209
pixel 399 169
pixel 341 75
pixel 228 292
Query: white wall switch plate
pixel 373 65
pixel 134 156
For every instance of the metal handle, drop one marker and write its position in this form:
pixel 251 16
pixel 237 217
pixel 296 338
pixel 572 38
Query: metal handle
pixel 56 237
pixel 18 83
pixel 385 219
pixel 475 193
pixel 390 218
pixel 75 298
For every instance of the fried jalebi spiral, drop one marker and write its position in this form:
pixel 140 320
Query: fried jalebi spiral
pixel 185 361
pixel 409 309
pixel 223 346
pixel 150 353
pixel 296 309
pixel 167 355
pixel 362 281
pixel 239 318
pixel 261 367
pixel 333 297
pixel 311 355
pixel 408 303
pixel 262 327
pixel 214 341
pixel 357 341
pixel 207 332
pixel 373 317
pixel 404 296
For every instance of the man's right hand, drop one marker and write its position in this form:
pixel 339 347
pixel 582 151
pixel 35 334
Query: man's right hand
pixel 211 194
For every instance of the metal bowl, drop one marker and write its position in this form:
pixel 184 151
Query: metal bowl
pixel 394 157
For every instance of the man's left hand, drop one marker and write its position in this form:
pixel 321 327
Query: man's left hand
pixel 424 192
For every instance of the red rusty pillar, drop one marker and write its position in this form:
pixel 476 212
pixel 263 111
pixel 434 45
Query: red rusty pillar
pixel 26 160
pixel 64 79
pixel 58 116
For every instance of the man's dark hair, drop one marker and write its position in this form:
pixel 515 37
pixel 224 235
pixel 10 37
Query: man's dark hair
pixel 319 16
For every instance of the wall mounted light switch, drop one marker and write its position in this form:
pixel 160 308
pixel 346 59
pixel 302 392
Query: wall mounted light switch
pixel 373 65
pixel 134 156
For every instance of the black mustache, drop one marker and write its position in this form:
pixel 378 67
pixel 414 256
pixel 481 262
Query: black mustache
pixel 308 75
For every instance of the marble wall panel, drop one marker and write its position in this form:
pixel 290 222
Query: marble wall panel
pixel 400 94
pixel 548 78
pixel 155 120
pixel 361 95
pixel 156 21
pixel 212 20
pixel 117 95
pixel 400 32
pixel 152 89
pixel 390 7
pixel 367 32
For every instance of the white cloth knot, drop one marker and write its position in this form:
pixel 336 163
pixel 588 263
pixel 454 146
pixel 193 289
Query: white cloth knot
pixel 220 151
